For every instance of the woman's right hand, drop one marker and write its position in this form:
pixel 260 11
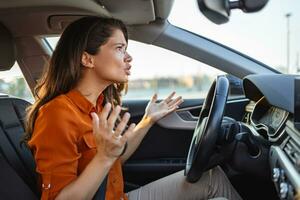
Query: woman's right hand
pixel 110 142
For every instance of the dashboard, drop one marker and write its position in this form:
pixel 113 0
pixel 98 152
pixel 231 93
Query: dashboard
pixel 275 126
pixel 271 120
pixel 268 120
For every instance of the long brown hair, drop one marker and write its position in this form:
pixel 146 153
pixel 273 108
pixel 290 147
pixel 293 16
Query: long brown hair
pixel 65 69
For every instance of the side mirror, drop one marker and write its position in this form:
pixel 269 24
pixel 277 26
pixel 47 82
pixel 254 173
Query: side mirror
pixel 218 11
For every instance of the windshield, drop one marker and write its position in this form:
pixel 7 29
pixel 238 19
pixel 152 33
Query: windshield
pixel 271 36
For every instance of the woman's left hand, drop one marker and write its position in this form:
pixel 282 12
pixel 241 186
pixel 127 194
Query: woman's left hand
pixel 155 111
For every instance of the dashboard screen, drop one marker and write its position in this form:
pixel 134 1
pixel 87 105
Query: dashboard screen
pixel 273 118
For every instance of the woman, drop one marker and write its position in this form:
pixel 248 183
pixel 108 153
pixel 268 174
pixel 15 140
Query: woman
pixel 75 141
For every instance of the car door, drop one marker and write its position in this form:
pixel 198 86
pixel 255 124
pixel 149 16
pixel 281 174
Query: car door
pixel 164 149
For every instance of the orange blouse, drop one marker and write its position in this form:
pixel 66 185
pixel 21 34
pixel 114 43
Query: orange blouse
pixel 63 144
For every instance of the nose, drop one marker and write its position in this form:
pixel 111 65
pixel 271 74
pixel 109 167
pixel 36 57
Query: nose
pixel 128 58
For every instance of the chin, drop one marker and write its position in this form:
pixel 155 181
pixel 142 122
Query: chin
pixel 122 80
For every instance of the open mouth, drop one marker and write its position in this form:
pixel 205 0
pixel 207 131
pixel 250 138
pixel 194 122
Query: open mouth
pixel 127 71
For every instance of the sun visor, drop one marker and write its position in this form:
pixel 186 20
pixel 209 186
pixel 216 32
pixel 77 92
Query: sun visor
pixel 131 12
pixel 7 49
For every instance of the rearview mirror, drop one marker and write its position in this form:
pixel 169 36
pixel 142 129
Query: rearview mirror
pixel 218 11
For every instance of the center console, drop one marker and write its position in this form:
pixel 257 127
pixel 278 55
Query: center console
pixel 285 158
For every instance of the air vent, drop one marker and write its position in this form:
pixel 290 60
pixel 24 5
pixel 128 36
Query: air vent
pixel 292 149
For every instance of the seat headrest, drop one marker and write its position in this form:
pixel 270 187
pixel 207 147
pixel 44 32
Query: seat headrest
pixel 7 49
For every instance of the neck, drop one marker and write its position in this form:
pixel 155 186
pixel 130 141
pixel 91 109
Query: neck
pixel 90 90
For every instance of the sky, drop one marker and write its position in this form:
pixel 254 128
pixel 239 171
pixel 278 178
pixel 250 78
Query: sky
pixel 260 35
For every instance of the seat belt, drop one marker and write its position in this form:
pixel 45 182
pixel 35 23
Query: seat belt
pixel 100 194
pixel 11 185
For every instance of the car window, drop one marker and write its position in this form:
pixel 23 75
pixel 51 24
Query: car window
pixel 161 71
pixel 270 35
pixel 13 83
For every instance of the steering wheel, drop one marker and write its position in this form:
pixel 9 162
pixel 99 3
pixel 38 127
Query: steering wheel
pixel 207 128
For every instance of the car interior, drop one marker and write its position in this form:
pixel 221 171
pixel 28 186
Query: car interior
pixel 254 137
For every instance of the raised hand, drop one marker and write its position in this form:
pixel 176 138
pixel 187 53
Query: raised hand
pixel 155 111
pixel 110 142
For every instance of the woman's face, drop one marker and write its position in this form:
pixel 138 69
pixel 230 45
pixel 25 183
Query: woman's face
pixel 112 62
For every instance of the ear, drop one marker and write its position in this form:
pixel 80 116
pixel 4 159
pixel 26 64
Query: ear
pixel 87 60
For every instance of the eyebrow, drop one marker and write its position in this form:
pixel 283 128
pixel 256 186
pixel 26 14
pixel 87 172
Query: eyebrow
pixel 120 43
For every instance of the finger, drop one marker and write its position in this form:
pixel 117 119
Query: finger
pixel 169 98
pixel 173 108
pixel 113 117
pixel 128 131
pixel 176 102
pixel 104 114
pixel 121 126
pixel 154 98
pixel 95 123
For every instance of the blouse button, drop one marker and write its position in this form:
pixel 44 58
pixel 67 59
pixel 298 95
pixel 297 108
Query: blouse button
pixel 46 187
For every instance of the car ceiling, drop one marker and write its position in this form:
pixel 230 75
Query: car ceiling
pixel 51 16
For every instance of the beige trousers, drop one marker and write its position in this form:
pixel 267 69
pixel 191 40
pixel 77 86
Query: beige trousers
pixel 213 184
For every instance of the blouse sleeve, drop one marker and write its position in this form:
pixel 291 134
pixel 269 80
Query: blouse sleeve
pixel 54 146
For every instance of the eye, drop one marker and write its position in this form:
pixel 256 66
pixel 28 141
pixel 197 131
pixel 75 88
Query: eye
pixel 121 48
